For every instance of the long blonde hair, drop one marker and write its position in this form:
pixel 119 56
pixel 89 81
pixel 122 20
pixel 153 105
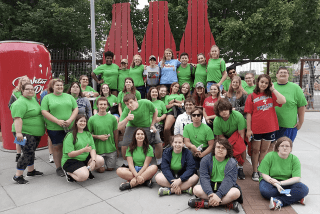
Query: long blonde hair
pixel 164 56
pixel 19 87
pixel 231 90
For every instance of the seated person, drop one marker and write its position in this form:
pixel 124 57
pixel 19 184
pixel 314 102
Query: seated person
pixel 282 170
pixel 143 114
pixel 79 152
pixel 104 129
pixel 178 169
pixel 139 155
pixel 185 118
pixel 230 124
pixel 218 177
pixel 87 90
pixel 198 137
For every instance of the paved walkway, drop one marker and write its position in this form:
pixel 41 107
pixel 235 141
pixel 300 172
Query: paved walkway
pixel 52 194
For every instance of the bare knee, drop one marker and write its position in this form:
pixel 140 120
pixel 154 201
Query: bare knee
pixel 197 190
pixel 82 176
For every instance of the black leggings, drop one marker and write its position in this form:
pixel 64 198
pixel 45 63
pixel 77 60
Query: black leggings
pixel 28 151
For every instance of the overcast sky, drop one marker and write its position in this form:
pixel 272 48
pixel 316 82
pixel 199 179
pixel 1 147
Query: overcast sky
pixel 142 3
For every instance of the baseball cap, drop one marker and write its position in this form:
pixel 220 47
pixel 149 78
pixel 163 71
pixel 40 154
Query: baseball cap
pixel 199 84
pixel 152 57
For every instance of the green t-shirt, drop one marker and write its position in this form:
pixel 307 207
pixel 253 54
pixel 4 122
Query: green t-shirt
pixel 136 74
pixel 250 89
pixel 123 74
pixel 226 84
pixel 287 114
pixel 200 75
pixel 121 96
pixel 112 100
pixel 60 107
pixel 279 168
pixel 88 89
pixel 109 74
pixel 141 115
pixel 198 135
pixel 185 75
pixel 175 164
pixel 30 113
pixel 170 97
pixel 138 156
pixel 217 174
pixel 235 122
pixel 101 125
pixel 161 107
pixel 83 139
pixel 215 69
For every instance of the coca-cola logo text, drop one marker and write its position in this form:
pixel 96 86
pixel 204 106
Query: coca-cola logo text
pixel 37 83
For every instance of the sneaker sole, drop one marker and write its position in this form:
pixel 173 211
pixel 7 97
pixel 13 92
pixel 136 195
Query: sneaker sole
pixel 241 178
pixel 271 204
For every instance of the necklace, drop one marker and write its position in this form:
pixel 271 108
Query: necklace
pixel 195 134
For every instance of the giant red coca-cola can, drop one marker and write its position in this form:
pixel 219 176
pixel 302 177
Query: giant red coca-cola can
pixel 19 58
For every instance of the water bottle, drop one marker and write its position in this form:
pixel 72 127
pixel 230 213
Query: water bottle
pixel 199 148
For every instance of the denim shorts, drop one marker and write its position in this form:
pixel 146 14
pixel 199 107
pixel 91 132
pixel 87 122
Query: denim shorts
pixel 56 137
pixel 271 136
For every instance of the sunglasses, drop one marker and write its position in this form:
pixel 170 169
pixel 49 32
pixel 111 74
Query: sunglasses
pixel 196 115
pixel 233 72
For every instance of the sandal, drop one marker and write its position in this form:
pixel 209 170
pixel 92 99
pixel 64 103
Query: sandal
pixel 125 186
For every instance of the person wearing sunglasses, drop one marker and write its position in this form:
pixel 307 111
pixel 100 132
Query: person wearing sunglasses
pixel 198 137
pixel 231 71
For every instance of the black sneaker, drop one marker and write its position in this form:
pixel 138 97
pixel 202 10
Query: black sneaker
pixel 91 175
pixel 60 172
pixel 234 206
pixel 20 179
pixel 159 166
pixel 123 165
pixel 148 183
pixel 198 203
pixel 241 175
pixel 34 173
pixel 69 178
pixel 125 186
pixel 17 157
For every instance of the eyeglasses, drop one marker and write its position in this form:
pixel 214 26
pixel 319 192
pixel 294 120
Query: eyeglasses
pixel 284 146
pixel 196 115
pixel 221 148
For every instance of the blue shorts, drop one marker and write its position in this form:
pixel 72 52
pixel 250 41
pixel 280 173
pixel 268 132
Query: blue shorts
pixel 138 168
pixel 288 132
pixel 271 136
pixel 56 137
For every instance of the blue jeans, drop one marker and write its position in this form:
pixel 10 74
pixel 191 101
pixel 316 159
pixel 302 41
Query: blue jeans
pixel 209 84
pixel 142 91
pixel 298 191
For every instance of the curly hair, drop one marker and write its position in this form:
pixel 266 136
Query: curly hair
pixel 133 145
pixel 221 105
pixel 225 143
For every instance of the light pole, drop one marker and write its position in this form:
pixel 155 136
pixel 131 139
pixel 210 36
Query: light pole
pixel 93 40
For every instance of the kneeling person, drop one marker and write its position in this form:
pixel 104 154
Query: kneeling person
pixel 104 129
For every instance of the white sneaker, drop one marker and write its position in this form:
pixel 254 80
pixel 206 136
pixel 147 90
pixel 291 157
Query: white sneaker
pixel 255 176
pixel 51 158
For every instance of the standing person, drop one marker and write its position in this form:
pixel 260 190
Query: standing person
pixel 249 78
pixel 29 124
pixel 163 93
pixel 86 89
pixel 104 129
pixel 139 155
pixel 218 179
pixel 141 114
pixel 109 72
pixel 123 74
pixel 216 69
pixel 160 106
pixel 231 71
pixel 199 95
pixel 185 71
pixel 281 170
pixel 186 90
pixel 136 73
pixel 173 103
pixel 185 118
pixel 79 152
pixel 84 106
pixel 198 137
pixel 208 105
pixel 236 95
pixel 16 93
pixel 168 66
pixel 230 124
pixel 151 73
pixel 291 114
pixel 44 93
pixel 129 87
pixel 178 169
pixel 59 110
pixel 262 119
pixel 112 101
pixel 200 73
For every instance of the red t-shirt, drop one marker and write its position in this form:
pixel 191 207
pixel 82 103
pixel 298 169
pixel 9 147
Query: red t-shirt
pixel 208 105
pixel 264 118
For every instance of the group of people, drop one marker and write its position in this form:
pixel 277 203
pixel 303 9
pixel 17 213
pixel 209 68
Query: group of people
pixel 146 105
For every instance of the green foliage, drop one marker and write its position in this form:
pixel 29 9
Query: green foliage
pixel 274 66
pixel 72 77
